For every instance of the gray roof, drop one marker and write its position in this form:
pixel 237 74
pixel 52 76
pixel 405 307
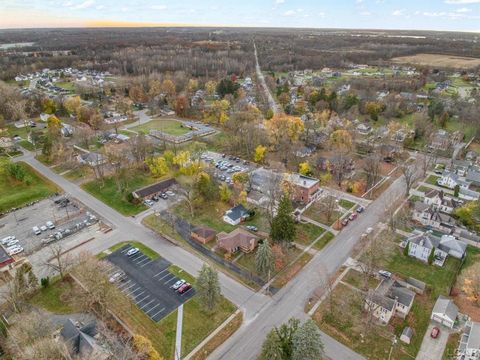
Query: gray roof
pixel 420 206
pixel 416 283
pixel 473 176
pixel 236 212
pixel 425 239
pixel 80 339
pixel 408 332
pixel 474 336
pixel 403 295
pixel 448 243
pixel 445 306
pixel 381 300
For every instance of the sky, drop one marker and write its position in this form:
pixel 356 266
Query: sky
pixel 463 15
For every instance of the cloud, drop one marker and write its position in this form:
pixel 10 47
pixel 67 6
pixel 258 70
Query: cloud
pixel 158 7
pixel 398 12
pixel 289 13
pixel 365 13
pixel 85 5
pixel 463 10
pixel 359 1
pixel 456 2
pixel 278 2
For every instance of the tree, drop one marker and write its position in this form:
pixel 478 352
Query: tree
pixel 283 225
pixel 206 187
pixel 271 347
pixel 157 165
pixel 210 87
pixel 259 154
pixel 225 193
pixel 284 131
pixel 208 288
pixel 431 257
pixel 409 173
pixel 181 105
pixel 307 342
pixel 456 190
pixel 226 86
pixel 144 348
pixel 264 259
pixel 406 249
pixel 72 104
pixel 374 108
pixel 371 166
pixel 304 168
pixel 279 343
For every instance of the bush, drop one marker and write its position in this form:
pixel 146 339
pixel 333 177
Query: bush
pixel 45 282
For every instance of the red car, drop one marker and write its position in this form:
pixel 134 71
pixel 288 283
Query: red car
pixel 435 332
pixel 184 288
pixel 352 216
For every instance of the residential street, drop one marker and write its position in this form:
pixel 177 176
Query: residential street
pixel 260 312
pixel 271 101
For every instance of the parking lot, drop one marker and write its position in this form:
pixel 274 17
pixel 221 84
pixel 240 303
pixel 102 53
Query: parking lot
pixel 148 283
pixel 64 216
pixel 230 166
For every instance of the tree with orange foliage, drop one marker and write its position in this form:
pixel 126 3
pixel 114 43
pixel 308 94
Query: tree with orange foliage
pixel 471 283
pixel 181 105
pixel 284 131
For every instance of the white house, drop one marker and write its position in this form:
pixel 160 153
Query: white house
pixel 451 180
pixel 469 348
pixel 236 215
pixel 445 312
pixel 440 201
pixel 420 246
pixel 427 215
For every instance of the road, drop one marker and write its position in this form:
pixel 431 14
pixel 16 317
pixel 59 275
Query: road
pixel 261 313
pixel 271 101
pixel 291 299
pixel 127 228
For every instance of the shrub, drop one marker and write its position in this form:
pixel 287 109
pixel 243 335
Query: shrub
pixel 45 282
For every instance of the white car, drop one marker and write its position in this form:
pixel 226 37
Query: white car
pixel 132 251
pixel 170 193
pixel 115 277
pixel 43 228
pixel 385 273
pixel 50 225
pixel 149 202
pixel 14 250
pixel 178 284
pixel 12 243
pixel 7 239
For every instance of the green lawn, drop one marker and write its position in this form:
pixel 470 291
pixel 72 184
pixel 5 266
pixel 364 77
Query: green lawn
pixel 452 345
pixel 16 194
pixel 324 240
pixel 67 85
pixel 211 216
pixel 157 224
pixel 109 194
pixel 307 233
pixel 317 213
pixel 432 179
pixel 168 126
pixel 56 298
pixel 423 188
pixel 346 204
pixel 26 145
pixel 144 249
pixel 357 279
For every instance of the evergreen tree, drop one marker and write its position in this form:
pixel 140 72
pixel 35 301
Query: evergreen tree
pixel 431 257
pixel 407 249
pixel 271 348
pixel 307 342
pixel 283 224
pixel 208 287
pixel 264 259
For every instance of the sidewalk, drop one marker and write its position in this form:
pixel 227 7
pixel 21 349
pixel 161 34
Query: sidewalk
pixel 178 334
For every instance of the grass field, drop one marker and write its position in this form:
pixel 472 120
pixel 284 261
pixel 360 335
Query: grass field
pixel 439 60
pixel 14 193
pixel 307 233
pixel 26 145
pixel 317 212
pixel 346 204
pixel 67 85
pixel 109 194
pixel 324 240
pixel 146 250
pixel 168 126
pixel 56 298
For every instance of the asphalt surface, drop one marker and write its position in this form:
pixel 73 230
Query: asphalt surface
pixel 148 283
pixel 271 101
pixel 261 313
pixel 432 349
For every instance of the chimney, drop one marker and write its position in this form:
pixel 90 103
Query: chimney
pixel 305 182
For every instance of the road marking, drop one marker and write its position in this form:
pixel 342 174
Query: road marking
pixel 140 259
pixel 136 256
pixel 126 249
pixel 127 288
pixel 172 278
pixel 163 277
pixel 141 308
pixel 139 288
pixel 157 313
pixel 160 273
pixel 186 292
pixel 146 297
pixel 123 285
pixel 143 260
pixel 136 296
pixel 146 312
pixel 149 262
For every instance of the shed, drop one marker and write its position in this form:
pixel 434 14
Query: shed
pixel 407 334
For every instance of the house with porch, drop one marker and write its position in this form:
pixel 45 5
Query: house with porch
pixel 427 215
pixel 439 201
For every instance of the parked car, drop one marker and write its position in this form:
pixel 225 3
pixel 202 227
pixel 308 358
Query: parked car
pixel 15 250
pixel 7 239
pixel 50 225
pixel 345 222
pixel 170 193
pixel 36 230
pixel 12 242
pixel 385 273
pixel 360 209
pixel 132 251
pixel 177 285
pixel 115 277
pixel 435 332
pixel 164 196
pixel 184 288
pixel 352 216
pixel 252 228
pixel 369 230
pixel 43 228
pixel 149 202
pixel 155 198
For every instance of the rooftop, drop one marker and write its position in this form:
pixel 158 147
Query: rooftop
pixel 302 180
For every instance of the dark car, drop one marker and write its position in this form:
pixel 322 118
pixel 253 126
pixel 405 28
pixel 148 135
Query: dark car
pixel 360 209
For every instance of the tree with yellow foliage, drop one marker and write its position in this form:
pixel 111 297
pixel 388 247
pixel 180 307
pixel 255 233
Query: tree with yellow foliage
pixel 210 87
pixel 72 104
pixel 304 168
pixel 259 154
pixel 181 159
pixel 144 348
pixel 225 193
pixel 341 140
pixel 284 130
pixel 158 166
pixel 168 87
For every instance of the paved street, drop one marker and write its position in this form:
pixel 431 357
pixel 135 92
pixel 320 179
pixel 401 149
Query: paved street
pixel 271 101
pixel 261 313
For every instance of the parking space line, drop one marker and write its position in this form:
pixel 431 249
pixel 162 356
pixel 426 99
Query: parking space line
pixel 186 292
pixel 157 313
pixel 127 288
pixel 146 312
pixel 143 292
pixel 136 256
pixel 143 260
pixel 124 284
pixel 139 288
pixel 163 277
pixel 173 278
pixel 142 307
pixel 126 249
pixel 146 297
pixel 148 262
pixel 143 257
pixel 159 273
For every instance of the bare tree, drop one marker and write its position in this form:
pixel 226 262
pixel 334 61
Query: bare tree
pixel 273 192
pixel 409 173
pixel 328 205
pixel 372 169
pixel 59 261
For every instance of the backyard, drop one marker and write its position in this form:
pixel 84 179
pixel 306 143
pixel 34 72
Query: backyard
pixel 14 193
pixel 169 126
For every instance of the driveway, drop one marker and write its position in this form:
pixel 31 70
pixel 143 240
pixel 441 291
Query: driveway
pixel 432 349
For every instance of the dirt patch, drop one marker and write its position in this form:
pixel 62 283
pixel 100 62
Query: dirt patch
pixel 465 306
pixel 438 60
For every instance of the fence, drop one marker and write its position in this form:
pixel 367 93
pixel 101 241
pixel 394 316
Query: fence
pixel 184 229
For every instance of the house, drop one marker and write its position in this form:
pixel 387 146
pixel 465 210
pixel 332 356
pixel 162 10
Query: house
pixel 468 195
pixel 460 167
pixel 429 216
pixel 150 191
pixel 469 347
pixel 439 201
pixel 236 215
pixel 238 239
pixel 471 155
pixel 407 334
pixel 364 129
pixel 421 244
pixel 92 159
pixel 203 234
pixel 82 340
pixel 304 188
pixel 473 177
pixel 451 180
pixel 441 140
pixel 389 299
pixel 444 312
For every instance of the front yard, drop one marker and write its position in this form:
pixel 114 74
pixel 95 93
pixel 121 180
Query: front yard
pixel 169 126
pixel 318 213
